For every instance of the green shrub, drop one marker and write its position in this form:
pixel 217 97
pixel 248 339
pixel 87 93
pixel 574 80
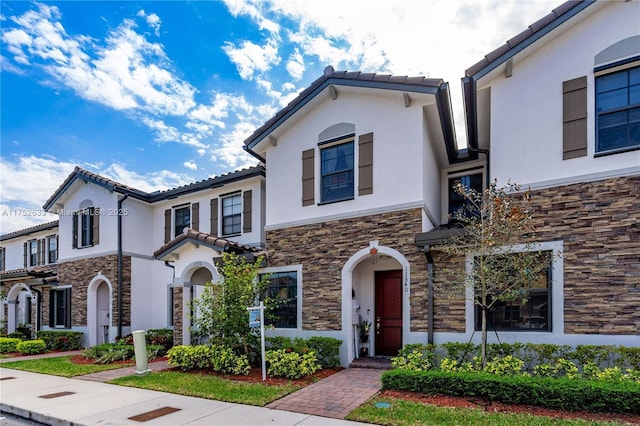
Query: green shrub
pixel 562 394
pixel 9 344
pixel 17 335
pixel 61 340
pixel 505 366
pixel 154 337
pixel 225 360
pixel 327 349
pixel 291 365
pixel 561 368
pixel 415 360
pixel 31 347
pixel 216 357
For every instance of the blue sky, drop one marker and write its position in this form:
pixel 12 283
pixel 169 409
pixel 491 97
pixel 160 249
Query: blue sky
pixel 156 94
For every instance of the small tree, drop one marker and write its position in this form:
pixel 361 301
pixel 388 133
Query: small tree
pixel 222 308
pixel 498 234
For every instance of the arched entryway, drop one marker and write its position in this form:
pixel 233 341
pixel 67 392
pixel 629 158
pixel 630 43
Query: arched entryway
pixel 193 279
pixel 99 310
pixel 21 309
pixel 375 289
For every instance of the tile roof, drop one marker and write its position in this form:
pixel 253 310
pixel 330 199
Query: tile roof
pixel 26 231
pixel 529 35
pixel 191 235
pixel 42 271
pixel 344 78
pixel 111 185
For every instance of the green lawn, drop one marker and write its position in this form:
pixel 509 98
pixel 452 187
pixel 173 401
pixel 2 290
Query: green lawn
pixel 401 412
pixel 59 366
pixel 207 386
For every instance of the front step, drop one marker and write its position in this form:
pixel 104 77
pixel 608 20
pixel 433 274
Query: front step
pixel 379 363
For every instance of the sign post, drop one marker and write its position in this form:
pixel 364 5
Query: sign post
pixel 256 319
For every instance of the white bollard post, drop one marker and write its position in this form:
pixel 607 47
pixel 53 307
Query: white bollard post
pixel 140 348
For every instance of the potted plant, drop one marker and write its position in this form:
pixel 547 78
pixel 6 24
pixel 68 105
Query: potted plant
pixel 364 330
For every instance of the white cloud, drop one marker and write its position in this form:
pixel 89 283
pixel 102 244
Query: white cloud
pixel 241 7
pixel 295 65
pixel 152 19
pixel 190 165
pixel 250 57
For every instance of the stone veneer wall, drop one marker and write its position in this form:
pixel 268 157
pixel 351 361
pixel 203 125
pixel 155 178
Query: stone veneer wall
pixel 599 223
pixel 177 315
pixel 324 248
pixel 79 273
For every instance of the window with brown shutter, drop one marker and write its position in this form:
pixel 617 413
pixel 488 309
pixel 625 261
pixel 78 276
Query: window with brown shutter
pixel 167 226
pixel 574 118
pixel 213 204
pixel 195 216
pixel 74 230
pixel 308 170
pixel 246 211
pixel 365 164
pixel 95 226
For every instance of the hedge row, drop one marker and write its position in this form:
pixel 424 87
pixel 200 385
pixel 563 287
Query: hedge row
pixel 327 349
pixel 561 394
pixel 61 340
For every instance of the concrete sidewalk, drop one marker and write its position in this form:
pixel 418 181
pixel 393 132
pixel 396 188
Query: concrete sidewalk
pixel 61 401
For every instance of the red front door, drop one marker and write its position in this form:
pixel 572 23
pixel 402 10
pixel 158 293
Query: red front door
pixel 388 321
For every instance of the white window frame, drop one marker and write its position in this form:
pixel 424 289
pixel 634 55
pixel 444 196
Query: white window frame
pixel 556 295
pixel 298 270
pixel 223 216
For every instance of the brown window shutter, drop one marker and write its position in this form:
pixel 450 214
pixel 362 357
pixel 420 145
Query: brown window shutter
pixel 167 225
pixel 67 310
pixel 95 226
pixel 24 247
pixel 365 164
pixel 214 216
pixel 308 172
pixel 574 118
pixel 74 230
pixel 246 211
pixel 195 216
pixel 39 252
pixel 51 307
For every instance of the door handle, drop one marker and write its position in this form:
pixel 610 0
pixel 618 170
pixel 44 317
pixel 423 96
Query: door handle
pixel 377 325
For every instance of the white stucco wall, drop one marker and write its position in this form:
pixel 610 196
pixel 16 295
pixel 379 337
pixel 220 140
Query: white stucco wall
pixel 526 109
pixel 149 297
pixel 398 142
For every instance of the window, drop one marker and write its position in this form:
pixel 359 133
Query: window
pixel 531 314
pixel 337 172
pixel 618 110
pixel 52 248
pixel 283 288
pixel 86 229
pixel 457 201
pixel 60 308
pixel 182 219
pixel 33 253
pixel 232 215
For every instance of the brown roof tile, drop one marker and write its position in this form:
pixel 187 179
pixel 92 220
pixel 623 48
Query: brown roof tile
pixel 211 240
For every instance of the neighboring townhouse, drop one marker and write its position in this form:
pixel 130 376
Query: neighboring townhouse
pixel 557 110
pixel 108 281
pixel 28 264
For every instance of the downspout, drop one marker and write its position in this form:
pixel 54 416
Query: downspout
pixel 120 267
pixel 173 279
pixel 427 254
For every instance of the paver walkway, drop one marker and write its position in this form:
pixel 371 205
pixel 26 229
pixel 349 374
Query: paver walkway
pixel 335 396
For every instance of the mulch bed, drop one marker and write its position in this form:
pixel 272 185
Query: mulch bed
pixel 497 407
